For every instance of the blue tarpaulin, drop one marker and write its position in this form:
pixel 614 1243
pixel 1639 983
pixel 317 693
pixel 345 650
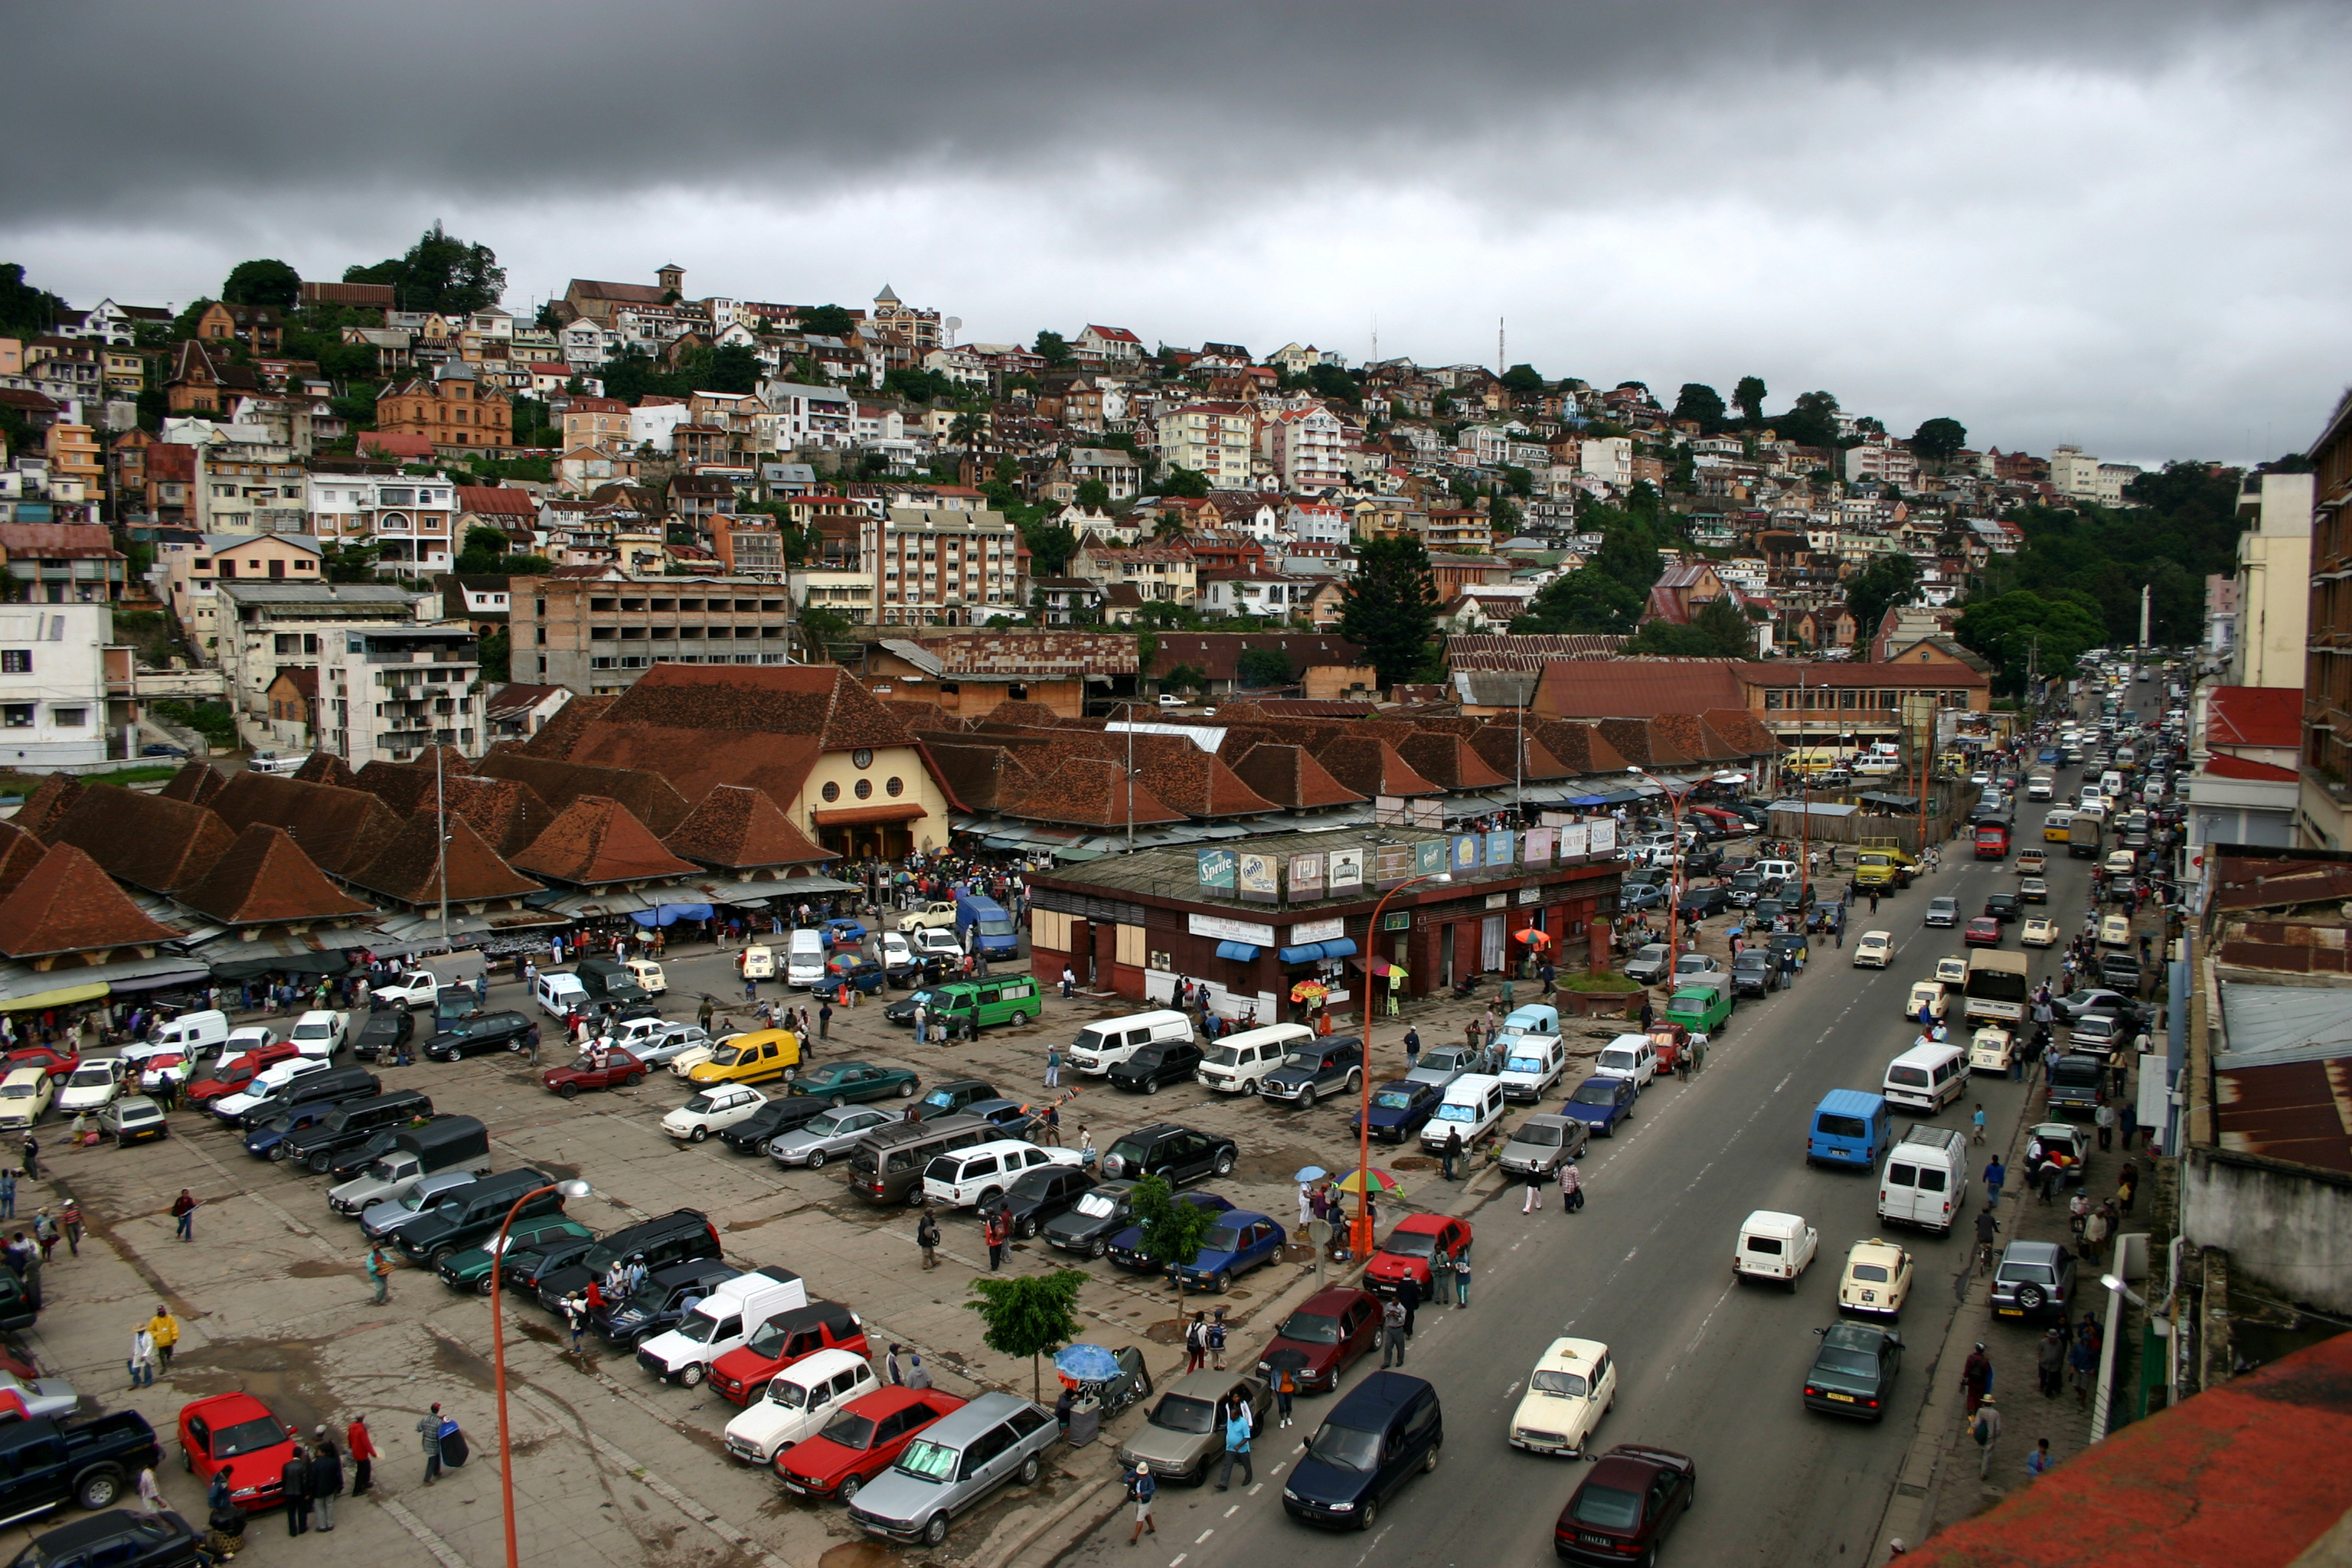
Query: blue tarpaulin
pixel 1307 953
pixel 1239 951
pixel 670 914
pixel 1341 947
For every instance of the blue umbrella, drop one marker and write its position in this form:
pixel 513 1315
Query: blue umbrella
pixel 1086 1363
pixel 1311 1174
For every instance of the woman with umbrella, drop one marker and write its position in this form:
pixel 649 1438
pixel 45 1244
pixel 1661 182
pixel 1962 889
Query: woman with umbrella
pixel 1306 1177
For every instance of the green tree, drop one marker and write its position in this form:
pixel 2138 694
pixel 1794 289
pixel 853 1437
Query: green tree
pixel 1939 440
pixel 496 651
pixel 970 431
pixel 1587 600
pixel 733 369
pixel 268 283
pixel 821 628
pixel 1185 677
pixel 1390 606
pixel 440 272
pixel 1330 381
pixel 1259 666
pixel 484 553
pixel 347 562
pixel 1813 422
pixel 828 322
pixel 1029 1315
pixel 25 311
pixel 1093 494
pixel 1519 481
pixel 1749 396
pixel 1173 1231
pixel 1188 483
pixel 1701 403
pixel 1889 580
pixel 1052 348
pixel 1051 545
pixel 1522 380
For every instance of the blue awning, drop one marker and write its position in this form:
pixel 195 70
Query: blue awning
pixel 1306 953
pixel 1341 947
pixel 1239 952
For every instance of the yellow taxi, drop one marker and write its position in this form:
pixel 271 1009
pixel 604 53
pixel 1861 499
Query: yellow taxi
pixel 2115 931
pixel 2056 826
pixel 748 1058
pixel 1877 1279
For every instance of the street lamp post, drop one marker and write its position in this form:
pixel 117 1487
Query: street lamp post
pixel 1361 1233
pixel 572 1189
pixel 1675 886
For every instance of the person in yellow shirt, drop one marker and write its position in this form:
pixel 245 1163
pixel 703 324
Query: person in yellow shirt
pixel 165 1330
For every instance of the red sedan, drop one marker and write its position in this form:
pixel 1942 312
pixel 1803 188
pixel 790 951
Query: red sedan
pixel 236 1433
pixel 59 1063
pixel 620 1070
pixel 1319 1341
pixel 862 1442
pixel 1628 1504
pixel 1409 1248
pixel 237 1074
pixel 1982 931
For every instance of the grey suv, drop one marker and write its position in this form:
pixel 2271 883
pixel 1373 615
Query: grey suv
pixel 953 1467
pixel 1316 1068
pixel 2034 1278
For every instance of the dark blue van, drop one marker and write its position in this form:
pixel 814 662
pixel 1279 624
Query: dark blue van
pixel 1849 1128
pixel 1386 1430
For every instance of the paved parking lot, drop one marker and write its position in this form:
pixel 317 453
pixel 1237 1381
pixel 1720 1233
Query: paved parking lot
pixel 609 1465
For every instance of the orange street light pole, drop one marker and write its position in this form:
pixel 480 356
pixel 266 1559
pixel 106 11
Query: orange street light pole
pixel 1674 904
pixel 1361 1233
pixel 574 1189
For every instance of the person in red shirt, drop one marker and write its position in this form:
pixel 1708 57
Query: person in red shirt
pixel 362 1451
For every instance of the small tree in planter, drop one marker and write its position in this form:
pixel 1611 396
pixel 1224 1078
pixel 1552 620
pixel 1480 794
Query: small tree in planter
pixel 1029 1314
pixel 1172 1232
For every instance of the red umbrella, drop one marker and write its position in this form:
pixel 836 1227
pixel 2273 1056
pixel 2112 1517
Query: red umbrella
pixel 1535 938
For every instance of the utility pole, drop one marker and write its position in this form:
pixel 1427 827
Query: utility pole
pixel 441 849
pixel 2147 592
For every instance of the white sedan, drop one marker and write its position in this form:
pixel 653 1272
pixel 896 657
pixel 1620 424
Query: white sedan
pixel 718 1107
pixel 1875 949
pixel 92 1085
pixel 266 1083
pixel 1572 1386
pixel 930 941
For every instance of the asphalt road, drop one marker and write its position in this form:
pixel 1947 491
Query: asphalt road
pixel 1706 1367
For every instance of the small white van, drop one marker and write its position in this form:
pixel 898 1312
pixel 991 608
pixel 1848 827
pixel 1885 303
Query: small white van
pixel 759 962
pixel 1532 1064
pixel 1102 1046
pixel 1926 1182
pixel 966 1177
pixel 1629 1055
pixel 1236 1064
pixel 721 1321
pixel 557 994
pixel 805 960
pixel 1926 1077
pixel 1774 1245
pixel 190 1033
pixel 1473 1107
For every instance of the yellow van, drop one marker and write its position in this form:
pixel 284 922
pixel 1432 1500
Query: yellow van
pixel 2055 826
pixel 748 1058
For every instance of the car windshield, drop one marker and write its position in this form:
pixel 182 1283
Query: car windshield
pixel 783 1391
pixel 1871 1273
pixel 1345 1447
pixel 698 1328
pixel 247 1437
pixel 943 1098
pixel 1183 1412
pixel 1306 1061
pixel 1393 1100
pixel 1524 1064
pixel 700 1103
pixel 1221 1057
pixel 926 1460
pixel 1593 1091
pixel 1834 1358
pixel 1098 1206
pixel 84 1077
pixel 850 1431
pixel 1570 1383
pixel 1222 1239
pixel 1462 1113
pixel 1310 1329
pixel 1539 1135
pixel 827 1123
pixel 1410 1242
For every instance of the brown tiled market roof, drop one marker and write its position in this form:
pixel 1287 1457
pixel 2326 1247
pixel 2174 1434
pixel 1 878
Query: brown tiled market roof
pixel 197 783
pixel 69 904
pixel 507 813
pixel 560 735
pixel 1372 767
pixel 1581 747
pixel 1690 735
pixel 1093 791
pixel 19 853
pixel 406 871
pixel 1449 760
pixel 1742 729
pixel 338 830
pixel 824 702
pixel 650 796
pixel 1497 742
pixel 595 841
pixel 983 777
pixel 1639 742
pixel 46 805
pixel 1290 776
pixel 265 877
pixel 735 828
pixel 1037 713
pixel 163 845
pixel 325 768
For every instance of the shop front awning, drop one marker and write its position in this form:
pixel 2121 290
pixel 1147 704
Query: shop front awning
pixel 866 816
pixel 1239 952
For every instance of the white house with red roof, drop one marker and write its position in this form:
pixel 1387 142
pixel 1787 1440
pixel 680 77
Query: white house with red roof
pixel 1106 345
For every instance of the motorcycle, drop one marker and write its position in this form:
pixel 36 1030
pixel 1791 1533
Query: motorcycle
pixel 1462 988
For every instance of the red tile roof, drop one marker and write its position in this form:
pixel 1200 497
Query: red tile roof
pixel 147 840
pixel 265 878
pixel 735 828
pixel 1449 761
pixel 48 805
pixel 339 829
pixel 822 702
pixel 2270 716
pixel 595 841
pixel 649 795
pixel 984 777
pixel 497 500
pixel 69 904
pixel 1094 792
pixel 325 768
pixel 1498 742
pixel 19 853
pixel 1372 767
pixel 509 815
pixel 407 871
pixel 1637 688
pixel 1290 776
pixel 197 783
pixel 2222 765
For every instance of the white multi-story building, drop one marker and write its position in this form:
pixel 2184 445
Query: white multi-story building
pixel 2076 473
pixel 2273 581
pixel 1881 459
pixel 265 628
pixel 1609 459
pixel 811 415
pixel 387 691
pixel 411 521
pixel 940 566
pixel 1210 438
pixel 53 708
pixel 1316 522
pixel 1309 448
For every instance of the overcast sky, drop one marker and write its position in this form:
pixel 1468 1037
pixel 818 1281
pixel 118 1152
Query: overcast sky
pixel 2120 225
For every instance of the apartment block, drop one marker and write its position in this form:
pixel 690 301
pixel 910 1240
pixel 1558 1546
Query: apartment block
pixel 597 637
pixel 389 692
pixel 1211 438
pixel 946 566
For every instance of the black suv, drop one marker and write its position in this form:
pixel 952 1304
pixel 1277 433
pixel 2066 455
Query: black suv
pixel 1332 1064
pixel 481 1033
pixel 947 1098
pixel 1753 973
pixel 1042 1193
pixel 785 1113
pixel 1699 903
pixel 1088 1226
pixel 46 1462
pixel 661 1305
pixel 1170 1061
pixel 118 1538
pixel 1384 1432
pixel 672 1238
pixel 1175 1155
pixel 382 1032
pixel 2002 907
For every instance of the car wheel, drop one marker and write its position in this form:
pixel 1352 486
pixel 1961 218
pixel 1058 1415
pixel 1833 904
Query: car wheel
pixel 99 1488
pixel 988 1195
pixel 1222 1282
pixel 1380 1338
pixel 935 1532
pixel 570 1091
pixel 187 1461
pixel 697 1135
pixel 849 1490
pixel 693 1375
pixel 1097 1247
pixel 1609 1130
pixel 1306 1096
pixel 816 1160
pixel 1355 1082
pixel 442 1255
pixel 2030 1297
pixel 1151 1086
pixel 1030 1470
pixel 1370 1516
pixel 514 1046
pixel 486 1284
pixel 278 1153
pixel 906 1090
pixel 1223 1165
pixel 1430 1463
pixel 1018 1019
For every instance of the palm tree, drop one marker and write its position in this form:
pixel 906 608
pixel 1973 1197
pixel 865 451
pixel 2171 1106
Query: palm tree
pixel 970 431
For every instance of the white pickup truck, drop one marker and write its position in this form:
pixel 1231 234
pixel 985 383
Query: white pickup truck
pixel 421 987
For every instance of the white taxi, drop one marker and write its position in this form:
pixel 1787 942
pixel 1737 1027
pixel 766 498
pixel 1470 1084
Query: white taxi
pixel 716 1108
pixel 1572 1386
pixel 1877 1279
pixel 1992 1049
pixel 1927 993
pixel 1876 949
pixel 2040 930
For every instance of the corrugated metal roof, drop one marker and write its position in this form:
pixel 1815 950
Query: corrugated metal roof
pixel 2266 1025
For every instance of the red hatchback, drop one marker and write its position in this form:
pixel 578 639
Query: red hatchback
pixel 1982 931
pixel 743 1374
pixel 59 1063
pixel 234 1075
pixel 236 1433
pixel 1410 1247
pixel 1630 1503
pixel 1323 1338
pixel 620 1070
pixel 862 1442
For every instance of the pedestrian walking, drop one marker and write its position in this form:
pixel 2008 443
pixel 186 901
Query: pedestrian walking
pixel 7 1194
pixel 2105 1118
pixel 1140 1486
pixel 1069 990
pixel 927 1237
pixel 142 1357
pixel 1977 1122
pixel 1462 1275
pixel 825 1019
pixel 166 1330
pixel 151 1496
pixel 32 1158
pixel 575 1318
pixel 183 1214
pixel 1453 1151
pixel 1534 1200
pixel 428 1434
pixel 2126 1186
pixel 1196 1342
pixel 2083 1360
pixel 1217 1341
pixel 1237 1444
pixel 1985 1427
pixel 1995 1175
pixel 362 1443
pixel 379 1274
pixel 2050 1363
pixel 1976 1377
pixel 991 1231
pixel 326 1477
pixel 1285 1389
pixel 1392 1316
pixel 1409 1297
pixel 1053 1067
pixel 1572 1187
pixel 1411 1050
pixel 294 1482
pixel 918 1376
pixel 45 1233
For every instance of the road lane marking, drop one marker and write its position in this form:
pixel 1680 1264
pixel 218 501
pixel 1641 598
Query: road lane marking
pixel 1179 1557
pixel 1204 1535
pixel 1236 1507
